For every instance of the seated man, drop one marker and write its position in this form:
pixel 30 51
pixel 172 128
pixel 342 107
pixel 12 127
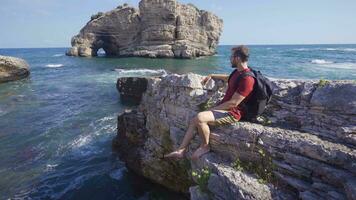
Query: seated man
pixel 228 111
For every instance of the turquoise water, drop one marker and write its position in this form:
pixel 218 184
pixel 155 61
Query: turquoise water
pixel 57 125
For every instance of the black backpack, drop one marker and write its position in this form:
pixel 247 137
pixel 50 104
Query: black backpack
pixel 260 97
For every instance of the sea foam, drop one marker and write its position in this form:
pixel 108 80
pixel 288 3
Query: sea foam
pixel 140 72
pixel 327 49
pixel 321 61
pixel 329 64
pixel 350 49
pixel 54 65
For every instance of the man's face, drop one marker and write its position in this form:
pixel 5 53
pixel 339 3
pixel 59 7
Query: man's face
pixel 234 60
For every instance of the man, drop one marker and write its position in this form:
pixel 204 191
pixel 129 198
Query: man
pixel 228 111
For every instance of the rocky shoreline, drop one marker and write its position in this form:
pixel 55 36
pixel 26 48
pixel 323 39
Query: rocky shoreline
pixel 162 28
pixel 12 69
pixel 306 150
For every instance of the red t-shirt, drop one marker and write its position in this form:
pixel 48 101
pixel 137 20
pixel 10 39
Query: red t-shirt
pixel 244 87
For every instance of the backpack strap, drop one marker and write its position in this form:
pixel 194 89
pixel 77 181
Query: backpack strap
pixel 241 76
pixel 249 73
pixel 232 73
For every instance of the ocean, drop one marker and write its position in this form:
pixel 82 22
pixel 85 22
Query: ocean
pixel 57 125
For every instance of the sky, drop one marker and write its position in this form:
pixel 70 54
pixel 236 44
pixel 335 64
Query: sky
pixel 52 23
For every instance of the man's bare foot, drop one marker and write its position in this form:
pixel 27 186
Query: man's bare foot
pixel 203 149
pixel 178 154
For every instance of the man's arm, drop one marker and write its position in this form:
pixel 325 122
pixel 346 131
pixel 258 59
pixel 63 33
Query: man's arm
pixel 223 77
pixel 244 89
pixel 235 100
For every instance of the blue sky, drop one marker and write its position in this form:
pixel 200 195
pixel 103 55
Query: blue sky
pixel 52 23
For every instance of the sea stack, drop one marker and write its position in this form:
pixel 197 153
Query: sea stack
pixel 159 28
pixel 12 69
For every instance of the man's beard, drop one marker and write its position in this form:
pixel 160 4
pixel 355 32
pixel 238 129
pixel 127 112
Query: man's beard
pixel 233 65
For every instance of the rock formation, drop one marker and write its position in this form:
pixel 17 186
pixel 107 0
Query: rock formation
pixel 131 89
pixel 306 150
pixel 12 69
pixel 160 28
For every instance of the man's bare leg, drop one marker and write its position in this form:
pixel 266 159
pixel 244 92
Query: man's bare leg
pixel 204 131
pixel 179 153
pixel 200 122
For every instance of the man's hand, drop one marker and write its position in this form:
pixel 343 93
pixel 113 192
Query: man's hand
pixel 206 79
pixel 222 77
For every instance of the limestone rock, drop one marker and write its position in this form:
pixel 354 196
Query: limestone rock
pixel 131 89
pixel 159 28
pixel 228 183
pixel 310 144
pixel 196 194
pixel 144 154
pixel 12 69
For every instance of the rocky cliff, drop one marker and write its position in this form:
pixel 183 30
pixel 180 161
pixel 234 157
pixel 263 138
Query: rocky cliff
pixel 12 69
pixel 304 150
pixel 159 28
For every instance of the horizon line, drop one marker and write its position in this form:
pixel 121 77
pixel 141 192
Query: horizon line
pixel 218 45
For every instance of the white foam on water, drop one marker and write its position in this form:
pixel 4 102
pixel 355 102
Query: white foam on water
pixel 118 173
pixel 58 55
pixel 108 118
pixel 81 141
pixel 331 65
pixel 350 49
pixel 99 130
pixel 50 167
pixel 82 146
pixel 303 49
pixel 321 61
pixel 54 65
pixel 140 72
pixel 327 49
pixel 340 49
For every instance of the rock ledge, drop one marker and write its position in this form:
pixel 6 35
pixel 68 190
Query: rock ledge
pixel 310 143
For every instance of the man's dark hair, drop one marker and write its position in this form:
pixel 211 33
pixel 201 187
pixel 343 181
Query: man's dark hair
pixel 242 52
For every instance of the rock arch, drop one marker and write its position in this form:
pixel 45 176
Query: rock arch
pixel 161 28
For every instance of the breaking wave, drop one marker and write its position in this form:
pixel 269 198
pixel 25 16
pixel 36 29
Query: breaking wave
pixel 141 72
pixel 321 61
pixel 54 65
pixel 341 49
pixel 334 65
pixel 327 49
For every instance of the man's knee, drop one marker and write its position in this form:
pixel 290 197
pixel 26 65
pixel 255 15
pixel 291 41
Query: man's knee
pixel 201 117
